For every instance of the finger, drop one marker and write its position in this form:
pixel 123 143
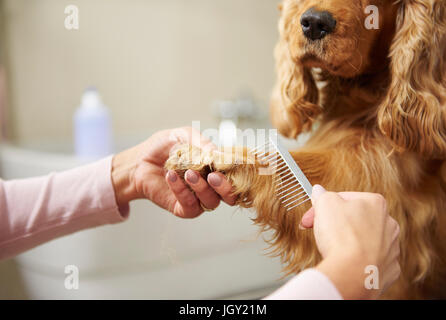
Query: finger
pixel 206 144
pixel 308 219
pixel 397 272
pixel 317 191
pixel 374 200
pixel 358 195
pixel 194 137
pixel 326 205
pixel 332 199
pixel 208 197
pixel 393 231
pixel 187 205
pixel 223 187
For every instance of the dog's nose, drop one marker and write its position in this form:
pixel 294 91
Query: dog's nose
pixel 317 24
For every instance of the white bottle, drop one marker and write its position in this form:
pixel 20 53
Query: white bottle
pixel 92 127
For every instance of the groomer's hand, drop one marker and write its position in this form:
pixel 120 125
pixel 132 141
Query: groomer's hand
pixel 139 173
pixel 353 230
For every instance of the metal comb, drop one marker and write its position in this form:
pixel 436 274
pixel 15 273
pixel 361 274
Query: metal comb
pixel 292 186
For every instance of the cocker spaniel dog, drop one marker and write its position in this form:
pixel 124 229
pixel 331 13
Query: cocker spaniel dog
pixel 375 100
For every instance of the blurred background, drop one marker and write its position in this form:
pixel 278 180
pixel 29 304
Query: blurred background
pixel 157 64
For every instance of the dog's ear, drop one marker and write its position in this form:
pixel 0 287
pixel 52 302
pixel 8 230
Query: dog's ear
pixel 413 113
pixel 295 96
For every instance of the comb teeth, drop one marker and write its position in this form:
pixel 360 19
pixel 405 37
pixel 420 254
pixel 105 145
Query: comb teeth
pixel 292 187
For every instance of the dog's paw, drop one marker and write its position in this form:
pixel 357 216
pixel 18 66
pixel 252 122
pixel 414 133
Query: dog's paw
pixel 227 160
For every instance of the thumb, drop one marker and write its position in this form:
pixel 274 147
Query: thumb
pixel 318 190
pixel 308 218
pixel 325 204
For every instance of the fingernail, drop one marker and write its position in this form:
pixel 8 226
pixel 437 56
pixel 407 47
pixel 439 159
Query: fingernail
pixel 214 180
pixel 191 176
pixel 172 176
pixel 318 190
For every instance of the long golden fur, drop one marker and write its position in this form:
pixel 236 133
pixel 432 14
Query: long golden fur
pixel 381 114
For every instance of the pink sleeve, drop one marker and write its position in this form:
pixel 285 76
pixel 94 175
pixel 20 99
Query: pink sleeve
pixel 37 210
pixel 310 284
